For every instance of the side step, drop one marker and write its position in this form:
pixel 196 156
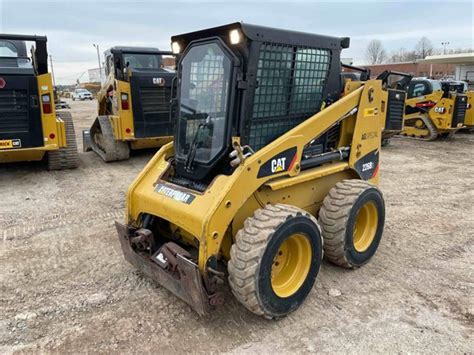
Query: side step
pixel 100 138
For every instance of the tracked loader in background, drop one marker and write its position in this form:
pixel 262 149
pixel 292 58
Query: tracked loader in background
pixel 461 87
pixel 269 167
pixel 31 129
pixel 432 111
pixel 133 103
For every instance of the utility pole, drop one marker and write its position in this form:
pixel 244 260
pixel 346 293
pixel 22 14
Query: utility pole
pixel 98 59
pixel 444 44
pixel 52 69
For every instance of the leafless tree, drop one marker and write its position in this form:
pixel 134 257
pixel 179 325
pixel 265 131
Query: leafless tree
pixel 375 53
pixel 423 48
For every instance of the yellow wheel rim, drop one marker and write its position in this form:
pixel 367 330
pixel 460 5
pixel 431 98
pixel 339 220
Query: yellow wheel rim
pixel 291 265
pixel 365 226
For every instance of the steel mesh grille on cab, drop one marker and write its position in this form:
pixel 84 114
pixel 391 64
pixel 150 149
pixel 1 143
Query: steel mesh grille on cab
pixel 290 84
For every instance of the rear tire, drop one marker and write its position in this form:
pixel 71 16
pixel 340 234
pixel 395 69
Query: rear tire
pixel 352 219
pixel 65 157
pixel 275 260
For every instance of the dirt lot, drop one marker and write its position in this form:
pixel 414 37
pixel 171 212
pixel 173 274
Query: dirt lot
pixel 64 285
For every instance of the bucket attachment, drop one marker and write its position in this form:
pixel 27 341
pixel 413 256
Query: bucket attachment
pixel 170 266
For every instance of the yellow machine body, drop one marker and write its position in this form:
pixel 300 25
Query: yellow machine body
pixel 188 221
pixel 54 135
pixel 214 216
pixel 122 120
pixel 439 115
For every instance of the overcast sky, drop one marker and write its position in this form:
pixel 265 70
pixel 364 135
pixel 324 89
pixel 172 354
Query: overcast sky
pixel 73 26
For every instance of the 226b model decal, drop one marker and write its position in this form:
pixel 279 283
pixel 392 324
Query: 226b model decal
pixel 367 166
pixel 281 162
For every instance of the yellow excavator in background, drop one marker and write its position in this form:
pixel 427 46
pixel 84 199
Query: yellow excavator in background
pixel 270 165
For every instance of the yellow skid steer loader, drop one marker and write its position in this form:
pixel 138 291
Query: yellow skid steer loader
pixel 269 167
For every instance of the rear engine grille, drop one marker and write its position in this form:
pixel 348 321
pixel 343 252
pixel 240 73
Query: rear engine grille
pixel 156 101
pixel 396 103
pixel 460 107
pixel 13 111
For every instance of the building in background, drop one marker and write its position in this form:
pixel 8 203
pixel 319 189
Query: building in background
pixel 94 75
pixel 463 65
pixel 417 69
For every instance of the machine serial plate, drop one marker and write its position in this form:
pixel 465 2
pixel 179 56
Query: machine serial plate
pixel 171 192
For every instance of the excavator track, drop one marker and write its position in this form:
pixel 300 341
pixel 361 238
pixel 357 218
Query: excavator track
pixel 418 132
pixel 104 143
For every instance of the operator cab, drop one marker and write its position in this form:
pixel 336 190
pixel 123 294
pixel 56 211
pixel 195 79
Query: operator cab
pixel 151 74
pixel 121 59
pixel 251 84
pixel 20 119
pixel 14 57
pixel 422 87
pixel 454 86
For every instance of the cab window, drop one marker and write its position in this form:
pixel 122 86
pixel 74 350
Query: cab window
pixel 436 85
pixel 7 49
pixel 417 88
pixel 142 61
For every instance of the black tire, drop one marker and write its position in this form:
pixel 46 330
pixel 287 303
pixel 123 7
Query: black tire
pixel 385 142
pixel 253 256
pixel 65 157
pixel 337 218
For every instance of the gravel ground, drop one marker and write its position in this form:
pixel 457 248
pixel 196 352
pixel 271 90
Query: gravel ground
pixel 64 285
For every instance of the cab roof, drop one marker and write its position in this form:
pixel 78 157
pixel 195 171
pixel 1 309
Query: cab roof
pixel 127 49
pixel 267 34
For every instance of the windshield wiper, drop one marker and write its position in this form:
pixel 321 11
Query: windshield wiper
pixel 193 148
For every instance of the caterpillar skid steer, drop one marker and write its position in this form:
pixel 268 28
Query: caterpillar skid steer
pixel 133 103
pixel 269 167
pixel 30 127
pixel 432 111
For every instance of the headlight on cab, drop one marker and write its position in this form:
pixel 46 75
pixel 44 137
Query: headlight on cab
pixel 175 47
pixel 235 36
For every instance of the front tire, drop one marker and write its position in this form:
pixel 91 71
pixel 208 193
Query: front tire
pixel 275 260
pixel 352 219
